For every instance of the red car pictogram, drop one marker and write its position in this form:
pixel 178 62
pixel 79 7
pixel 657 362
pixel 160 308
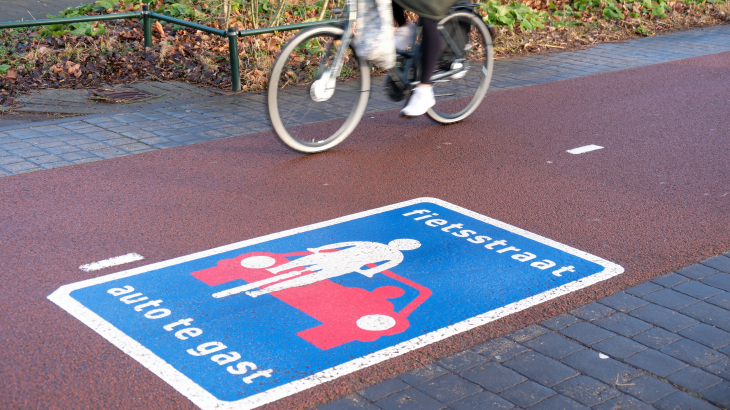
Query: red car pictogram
pixel 347 313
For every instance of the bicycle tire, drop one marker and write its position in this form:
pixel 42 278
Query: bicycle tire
pixel 299 134
pixel 482 68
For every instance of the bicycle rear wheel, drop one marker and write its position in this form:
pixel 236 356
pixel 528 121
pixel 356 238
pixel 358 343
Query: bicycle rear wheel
pixel 309 112
pixel 467 44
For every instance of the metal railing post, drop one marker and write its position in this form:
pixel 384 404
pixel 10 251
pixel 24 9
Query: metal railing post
pixel 147 25
pixel 233 49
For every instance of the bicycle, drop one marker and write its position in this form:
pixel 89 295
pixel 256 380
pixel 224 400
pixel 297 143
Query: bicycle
pixel 320 114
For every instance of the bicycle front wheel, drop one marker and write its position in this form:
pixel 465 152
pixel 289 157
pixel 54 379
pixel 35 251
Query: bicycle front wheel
pixel 467 45
pixel 310 110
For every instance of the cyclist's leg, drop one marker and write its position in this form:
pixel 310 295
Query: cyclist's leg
pixel 399 15
pixel 430 49
pixel 422 97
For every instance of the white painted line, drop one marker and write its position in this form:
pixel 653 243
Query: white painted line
pixel 584 149
pixel 117 260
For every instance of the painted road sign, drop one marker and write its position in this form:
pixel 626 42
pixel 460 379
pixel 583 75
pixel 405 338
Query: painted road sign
pixel 249 323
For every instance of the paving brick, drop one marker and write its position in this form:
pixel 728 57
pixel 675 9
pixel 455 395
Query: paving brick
pixel 9 159
pixel 384 389
pixel 623 402
pixel 352 402
pixel 670 299
pixel 109 152
pixel 663 317
pixel 669 280
pixel 4 173
pixel 707 335
pixel 592 311
pixel 694 379
pixel 697 290
pixel 28 152
pixel 20 167
pixel 692 353
pixel 27 170
pixel 57 164
pixel 560 321
pixel 623 324
pixel 586 390
pixel 182 137
pixel 722 300
pixel 77 155
pixel 462 361
pixel 541 369
pixel 527 333
pixel 605 370
pixel 24 133
pixel 62 148
pixel 553 345
pixel 719 280
pixel 718 395
pixel 655 362
pixel 410 399
pixel 683 401
pixel 709 314
pixel 93 146
pixel 720 262
pixel 500 349
pixel 643 289
pixel 16 145
pixel 44 159
pixel 423 374
pixel 558 402
pixel 493 376
pixel 618 347
pixel 74 125
pixel 656 338
pixel 646 388
pixel 483 400
pixel 586 333
pixel 527 393
pixel 623 302
pixel 449 388
pixel 163 145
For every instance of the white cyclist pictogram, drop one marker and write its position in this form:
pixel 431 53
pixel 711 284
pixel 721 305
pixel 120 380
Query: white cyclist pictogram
pixel 349 257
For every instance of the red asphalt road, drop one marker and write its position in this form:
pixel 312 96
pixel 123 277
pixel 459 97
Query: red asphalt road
pixel 657 198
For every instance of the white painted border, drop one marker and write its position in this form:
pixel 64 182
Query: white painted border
pixel 199 396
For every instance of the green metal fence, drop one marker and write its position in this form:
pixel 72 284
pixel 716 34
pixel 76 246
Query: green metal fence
pixel 148 16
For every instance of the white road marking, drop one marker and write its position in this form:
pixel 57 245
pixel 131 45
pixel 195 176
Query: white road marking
pixel 584 149
pixel 117 260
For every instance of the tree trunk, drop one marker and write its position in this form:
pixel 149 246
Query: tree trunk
pixel 225 16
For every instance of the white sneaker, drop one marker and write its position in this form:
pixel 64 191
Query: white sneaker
pixel 421 100
pixel 404 36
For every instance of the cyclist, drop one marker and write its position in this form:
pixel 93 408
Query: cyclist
pixel 430 12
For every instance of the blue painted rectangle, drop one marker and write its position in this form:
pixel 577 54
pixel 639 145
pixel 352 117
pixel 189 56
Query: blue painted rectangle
pixel 251 350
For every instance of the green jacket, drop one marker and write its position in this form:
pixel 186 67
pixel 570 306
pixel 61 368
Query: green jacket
pixel 430 9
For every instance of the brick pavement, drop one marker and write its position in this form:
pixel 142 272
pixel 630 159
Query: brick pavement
pixel 663 344
pixel 92 138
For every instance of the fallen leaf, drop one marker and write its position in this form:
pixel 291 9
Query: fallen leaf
pixel 12 74
pixel 159 29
